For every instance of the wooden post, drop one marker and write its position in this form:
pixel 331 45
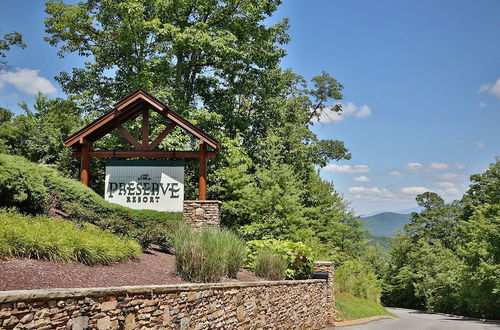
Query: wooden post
pixel 85 163
pixel 203 172
pixel 145 129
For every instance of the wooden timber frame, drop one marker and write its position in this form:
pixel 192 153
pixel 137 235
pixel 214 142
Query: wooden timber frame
pixel 129 108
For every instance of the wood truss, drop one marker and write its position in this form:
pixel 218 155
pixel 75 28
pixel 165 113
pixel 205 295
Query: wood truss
pixel 131 107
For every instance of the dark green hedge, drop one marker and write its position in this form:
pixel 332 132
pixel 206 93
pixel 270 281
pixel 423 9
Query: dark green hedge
pixel 36 189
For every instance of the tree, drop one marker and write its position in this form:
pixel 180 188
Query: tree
pixel 38 134
pixel 448 258
pixel 429 200
pixel 6 42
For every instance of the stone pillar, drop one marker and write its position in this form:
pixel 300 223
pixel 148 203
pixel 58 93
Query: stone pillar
pixel 201 214
pixel 327 267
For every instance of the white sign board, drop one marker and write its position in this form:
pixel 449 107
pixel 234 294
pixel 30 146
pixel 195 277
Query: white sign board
pixel 146 184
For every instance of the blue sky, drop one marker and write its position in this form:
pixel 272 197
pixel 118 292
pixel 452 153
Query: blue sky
pixel 421 78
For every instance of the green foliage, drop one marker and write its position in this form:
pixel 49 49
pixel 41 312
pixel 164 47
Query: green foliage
pixel 59 240
pixel 349 307
pixel 206 255
pixel 481 255
pixel 38 134
pixel 270 266
pixel 298 256
pixel 357 278
pixel 6 42
pixel 448 258
pixel 36 189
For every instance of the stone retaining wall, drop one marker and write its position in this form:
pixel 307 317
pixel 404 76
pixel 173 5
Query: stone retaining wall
pixel 202 213
pixel 306 304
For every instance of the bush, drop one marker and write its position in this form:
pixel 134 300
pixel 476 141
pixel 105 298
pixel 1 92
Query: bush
pixel 36 189
pixel 358 279
pixel 60 240
pixel 206 255
pixel 270 267
pixel 298 256
pixel 236 252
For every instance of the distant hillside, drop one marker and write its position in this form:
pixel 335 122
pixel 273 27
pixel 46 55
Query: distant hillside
pixel 385 224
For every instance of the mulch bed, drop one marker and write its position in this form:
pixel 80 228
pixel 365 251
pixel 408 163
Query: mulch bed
pixel 152 268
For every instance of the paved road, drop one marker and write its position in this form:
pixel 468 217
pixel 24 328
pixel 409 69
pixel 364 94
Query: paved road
pixel 415 320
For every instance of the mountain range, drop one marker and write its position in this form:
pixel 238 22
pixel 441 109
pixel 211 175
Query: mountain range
pixel 386 223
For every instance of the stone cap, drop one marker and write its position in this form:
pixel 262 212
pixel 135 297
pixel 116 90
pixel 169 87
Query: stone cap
pixel 323 263
pixel 203 201
pixel 49 294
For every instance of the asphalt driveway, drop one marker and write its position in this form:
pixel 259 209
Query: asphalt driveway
pixel 415 320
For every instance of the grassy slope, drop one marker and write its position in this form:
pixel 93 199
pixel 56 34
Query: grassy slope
pixel 350 307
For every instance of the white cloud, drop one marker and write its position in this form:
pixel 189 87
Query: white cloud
pixel 459 166
pixel 363 112
pixel 480 145
pixel 482 105
pixel 492 89
pixel 446 184
pixel 349 109
pixel 28 81
pixel 439 166
pixel 395 174
pixel 347 168
pixel 484 88
pixel 450 177
pixel 361 178
pixel 414 167
pixel 452 191
pixel 414 190
pixel 372 194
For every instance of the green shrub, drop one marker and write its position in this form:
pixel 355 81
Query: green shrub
pixel 358 279
pixel 236 252
pixel 59 240
pixel 203 255
pixel 22 184
pixel 36 189
pixel 299 257
pixel 270 267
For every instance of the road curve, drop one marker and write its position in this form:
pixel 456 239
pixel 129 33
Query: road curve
pixel 409 319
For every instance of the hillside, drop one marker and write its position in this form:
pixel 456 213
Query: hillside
pixel 385 224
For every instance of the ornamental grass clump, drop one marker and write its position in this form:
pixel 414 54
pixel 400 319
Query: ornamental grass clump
pixel 39 237
pixel 207 255
pixel 270 266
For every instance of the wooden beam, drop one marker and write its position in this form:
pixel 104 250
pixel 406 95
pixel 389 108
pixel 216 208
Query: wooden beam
pixel 85 163
pixel 145 154
pixel 190 128
pixel 145 128
pixel 162 135
pixel 202 195
pixel 128 136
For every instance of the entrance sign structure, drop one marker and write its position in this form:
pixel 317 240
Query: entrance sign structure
pixel 146 184
pixel 129 108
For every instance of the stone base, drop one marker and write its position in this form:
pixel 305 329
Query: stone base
pixel 201 214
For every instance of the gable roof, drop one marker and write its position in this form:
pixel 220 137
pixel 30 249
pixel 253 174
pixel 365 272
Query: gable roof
pixel 129 108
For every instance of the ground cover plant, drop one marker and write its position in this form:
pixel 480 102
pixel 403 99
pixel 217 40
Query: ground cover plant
pixel 39 237
pixel 36 189
pixel 207 255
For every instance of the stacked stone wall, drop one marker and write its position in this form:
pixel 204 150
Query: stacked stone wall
pixel 277 304
pixel 201 214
